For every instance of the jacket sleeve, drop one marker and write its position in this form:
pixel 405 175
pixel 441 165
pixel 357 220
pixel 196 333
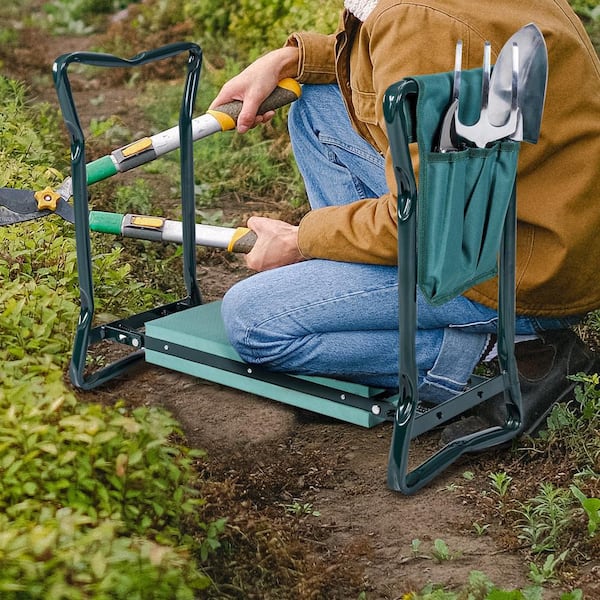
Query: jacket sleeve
pixel 366 230
pixel 317 58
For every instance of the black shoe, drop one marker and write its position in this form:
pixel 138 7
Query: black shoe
pixel 544 365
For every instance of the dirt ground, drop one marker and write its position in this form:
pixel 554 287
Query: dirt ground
pixel 266 461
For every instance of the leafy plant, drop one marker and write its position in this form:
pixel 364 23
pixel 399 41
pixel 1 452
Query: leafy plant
pixel 95 502
pixel 415 546
pixel 478 587
pixel 575 425
pixel 248 35
pixel 500 482
pixel 481 529
pixel 547 572
pixel 545 517
pixel 591 507
pixel 441 551
pixel 87 492
pixel 27 148
pixel 300 509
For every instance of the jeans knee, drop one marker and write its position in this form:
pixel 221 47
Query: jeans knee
pixel 234 320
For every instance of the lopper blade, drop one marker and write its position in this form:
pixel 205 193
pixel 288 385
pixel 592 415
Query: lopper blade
pixel 21 205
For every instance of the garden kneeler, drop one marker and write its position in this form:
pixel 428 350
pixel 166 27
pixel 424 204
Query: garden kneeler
pixel 186 335
pixel 457 230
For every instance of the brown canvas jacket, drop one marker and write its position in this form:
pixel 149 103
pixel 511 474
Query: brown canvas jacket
pixel 558 245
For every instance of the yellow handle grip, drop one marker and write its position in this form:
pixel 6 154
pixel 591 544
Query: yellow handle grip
pixel 242 241
pixel 287 91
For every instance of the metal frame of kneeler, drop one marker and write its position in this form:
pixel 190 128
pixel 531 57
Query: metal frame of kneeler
pixel 400 109
pixel 185 335
pixel 127 331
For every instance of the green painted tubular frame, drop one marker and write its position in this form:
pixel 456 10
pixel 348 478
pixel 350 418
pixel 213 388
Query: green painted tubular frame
pixel 126 330
pixel 400 103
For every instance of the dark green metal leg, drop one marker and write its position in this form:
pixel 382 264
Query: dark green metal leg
pixel 397 110
pixel 86 334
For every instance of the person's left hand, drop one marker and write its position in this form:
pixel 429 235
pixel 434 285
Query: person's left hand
pixel 276 244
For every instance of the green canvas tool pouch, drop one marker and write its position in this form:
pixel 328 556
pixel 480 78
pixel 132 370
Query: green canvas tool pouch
pixel 463 196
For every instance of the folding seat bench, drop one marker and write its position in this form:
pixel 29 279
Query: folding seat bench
pixel 447 242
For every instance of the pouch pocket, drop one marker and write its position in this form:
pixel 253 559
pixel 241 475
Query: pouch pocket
pixel 364 106
pixel 462 203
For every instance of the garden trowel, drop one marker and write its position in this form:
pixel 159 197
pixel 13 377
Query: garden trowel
pixel 533 77
pixel 23 205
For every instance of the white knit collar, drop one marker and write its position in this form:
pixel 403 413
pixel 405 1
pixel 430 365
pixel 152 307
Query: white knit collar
pixel 361 9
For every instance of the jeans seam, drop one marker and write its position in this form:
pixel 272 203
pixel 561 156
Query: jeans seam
pixel 473 323
pixel 248 333
pixel 330 141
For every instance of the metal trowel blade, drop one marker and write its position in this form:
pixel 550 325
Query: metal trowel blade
pixel 533 77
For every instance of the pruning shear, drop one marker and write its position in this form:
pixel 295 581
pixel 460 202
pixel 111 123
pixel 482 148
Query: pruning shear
pixel 24 205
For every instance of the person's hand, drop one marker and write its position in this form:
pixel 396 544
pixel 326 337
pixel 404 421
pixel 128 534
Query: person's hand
pixel 255 83
pixel 276 244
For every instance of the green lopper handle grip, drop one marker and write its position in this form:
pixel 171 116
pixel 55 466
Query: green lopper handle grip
pixel 106 222
pixel 286 92
pixel 100 169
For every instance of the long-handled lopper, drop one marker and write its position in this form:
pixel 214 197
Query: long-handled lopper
pixel 144 227
pixel 24 205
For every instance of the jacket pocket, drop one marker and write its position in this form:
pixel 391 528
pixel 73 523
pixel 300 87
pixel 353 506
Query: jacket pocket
pixel 364 106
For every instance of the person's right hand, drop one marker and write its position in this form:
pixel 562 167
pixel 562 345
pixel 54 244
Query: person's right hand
pixel 276 244
pixel 255 83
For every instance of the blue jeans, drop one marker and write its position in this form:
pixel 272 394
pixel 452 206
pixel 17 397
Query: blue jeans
pixel 323 317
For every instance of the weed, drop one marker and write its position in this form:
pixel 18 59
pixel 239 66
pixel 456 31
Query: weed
pixel 575 425
pixel 480 529
pixel 547 572
pixel 591 507
pixel 300 509
pixel 415 546
pixel 441 551
pixel 500 484
pixel 573 595
pixel 545 517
